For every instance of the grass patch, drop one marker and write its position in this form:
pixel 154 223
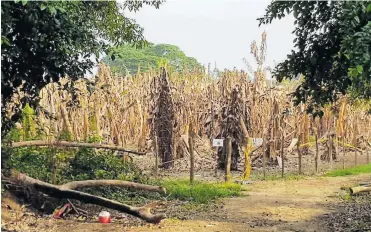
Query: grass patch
pixel 200 192
pixel 366 168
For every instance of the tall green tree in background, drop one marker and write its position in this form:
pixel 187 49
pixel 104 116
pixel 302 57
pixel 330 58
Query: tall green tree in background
pixel 149 57
pixel 44 41
pixel 333 47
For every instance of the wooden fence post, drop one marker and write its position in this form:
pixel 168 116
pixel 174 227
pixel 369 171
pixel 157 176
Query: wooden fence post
pixel 355 157
pixel 337 150
pixel 299 154
pixel 156 156
pixel 191 153
pixel 216 163
pixel 228 160
pixel 282 155
pixel 343 152
pixel 316 157
pixel 264 163
pixel 330 149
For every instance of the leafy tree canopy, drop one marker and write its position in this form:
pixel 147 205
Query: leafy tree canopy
pixel 44 41
pixel 333 47
pixel 129 58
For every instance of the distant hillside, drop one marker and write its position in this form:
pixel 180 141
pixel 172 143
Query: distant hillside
pixel 150 56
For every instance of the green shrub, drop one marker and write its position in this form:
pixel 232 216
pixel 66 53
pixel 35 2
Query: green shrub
pixel 65 165
pixel 89 164
pixel 31 161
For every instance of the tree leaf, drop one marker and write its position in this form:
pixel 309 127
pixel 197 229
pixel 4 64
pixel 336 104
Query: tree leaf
pixel 359 69
pixel 4 41
pixel 357 19
pixel 43 6
pixel 52 10
pixel 295 13
pixel 24 2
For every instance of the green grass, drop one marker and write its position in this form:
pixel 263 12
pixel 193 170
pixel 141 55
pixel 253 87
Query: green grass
pixel 366 168
pixel 200 192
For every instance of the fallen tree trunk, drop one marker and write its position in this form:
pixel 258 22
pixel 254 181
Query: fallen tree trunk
pixel 118 183
pixel 360 189
pixel 40 143
pixel 67 191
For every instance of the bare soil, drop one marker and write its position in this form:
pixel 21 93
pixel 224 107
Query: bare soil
pixel 310 204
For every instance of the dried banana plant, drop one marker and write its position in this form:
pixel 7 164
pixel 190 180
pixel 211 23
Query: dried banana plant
pixel 123 111
pixel 232 111
pixel 163 118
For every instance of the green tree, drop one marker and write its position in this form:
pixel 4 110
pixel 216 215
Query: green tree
pixel 149 57
pixel 333 47
pixel 44 41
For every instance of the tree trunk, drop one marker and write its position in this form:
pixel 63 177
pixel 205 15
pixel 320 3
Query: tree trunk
pixel 67 191
pixel 360 189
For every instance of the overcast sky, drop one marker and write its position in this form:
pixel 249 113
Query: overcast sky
pixel 218 31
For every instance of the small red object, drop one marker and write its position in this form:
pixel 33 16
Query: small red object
pixel 104 217
pixel 59 212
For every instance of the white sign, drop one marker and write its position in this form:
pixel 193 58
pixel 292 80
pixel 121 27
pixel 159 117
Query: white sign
pixel 257 142
pixel 218 142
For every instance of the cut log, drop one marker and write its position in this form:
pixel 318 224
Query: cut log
pixel 66 191
pixel 360 189
pixel 40 143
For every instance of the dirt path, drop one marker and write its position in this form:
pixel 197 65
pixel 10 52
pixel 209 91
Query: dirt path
pixel 290 205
